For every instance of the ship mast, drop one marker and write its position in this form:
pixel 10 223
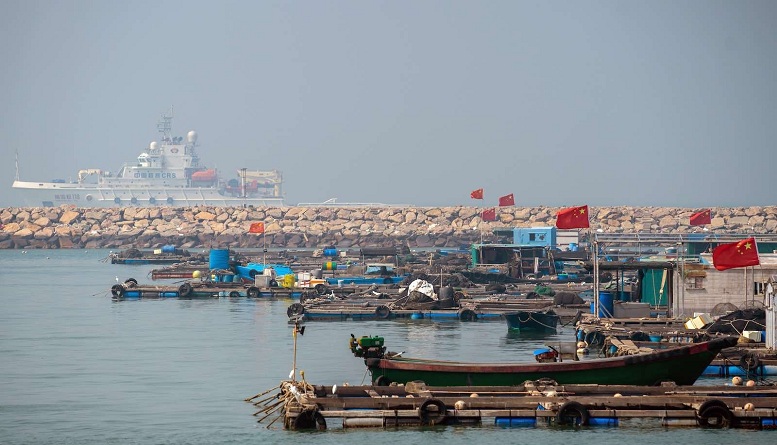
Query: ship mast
pixel 165 126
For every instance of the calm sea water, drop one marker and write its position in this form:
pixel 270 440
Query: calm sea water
pixel 77 368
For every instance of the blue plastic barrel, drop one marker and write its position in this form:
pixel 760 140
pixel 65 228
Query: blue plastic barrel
pixel 573 247
pixel 219 259
pixel 330 252
pixel 168 248
pixel 603 421
pixel 605 304
pixel 515 421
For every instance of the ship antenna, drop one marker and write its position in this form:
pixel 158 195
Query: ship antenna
pixel 165 126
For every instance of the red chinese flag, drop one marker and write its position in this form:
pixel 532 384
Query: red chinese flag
pixel 256 228
pixel 507 200
pixel 701 218
pixel 477 194
pixel 740 254
pixel 488 215
pixel 572 218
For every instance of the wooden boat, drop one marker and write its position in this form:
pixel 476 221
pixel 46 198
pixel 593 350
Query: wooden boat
pixel 166 255
pixel 546 320
pixel 681 365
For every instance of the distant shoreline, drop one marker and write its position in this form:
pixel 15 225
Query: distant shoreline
pixel 309 227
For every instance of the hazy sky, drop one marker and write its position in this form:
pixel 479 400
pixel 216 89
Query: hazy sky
pixel 644 103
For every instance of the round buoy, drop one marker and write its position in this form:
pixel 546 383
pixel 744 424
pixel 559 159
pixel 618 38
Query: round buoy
pixel 750 383
pixel 749 406
pixel 736 380
pixel 196 274
pixel 474 394
pixel 460 404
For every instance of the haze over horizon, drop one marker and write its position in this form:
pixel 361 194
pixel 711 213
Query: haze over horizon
pixel 561 103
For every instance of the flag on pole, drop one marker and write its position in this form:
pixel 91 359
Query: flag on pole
pixel 488 214
pixel 257 227
pixel 701 218
pixel 740 254
pixel 477 194
pixel 507 200
pixel 572 218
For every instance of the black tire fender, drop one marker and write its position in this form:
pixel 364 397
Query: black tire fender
pixel 382 312
pixel 252 292
pixel 749 361
pixel 467 315
pixel 309 419
pixel 382 381
pixel 117 290
pixel 185 290
pixel 321 289
pixel 715 414
pixel 573 413
pixel 234 294
pixel 273 283
pixel 432 412
pixel 131 282
pixel 295 309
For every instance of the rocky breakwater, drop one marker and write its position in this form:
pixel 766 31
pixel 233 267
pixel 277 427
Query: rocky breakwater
pixel 299 227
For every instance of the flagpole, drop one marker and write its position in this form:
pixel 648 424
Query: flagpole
pixel 596 276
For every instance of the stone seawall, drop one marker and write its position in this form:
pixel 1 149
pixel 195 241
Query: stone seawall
pixel 305 227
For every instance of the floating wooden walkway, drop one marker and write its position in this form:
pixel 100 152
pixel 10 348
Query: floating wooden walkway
pixel 302 406
pixel 202 290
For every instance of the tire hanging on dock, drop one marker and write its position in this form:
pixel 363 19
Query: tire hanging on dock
pixel 432 412
pixel 252 292
pixel 185 290
pixel 382 312
pixel 573 413
pixel 749 362
pixel 117 290
pixel 309 419
pixel 715 414
pixel 467 315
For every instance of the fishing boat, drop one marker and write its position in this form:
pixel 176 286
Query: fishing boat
pixel 681 365
pixel 541 320
pixel 166 174
pixel 168 254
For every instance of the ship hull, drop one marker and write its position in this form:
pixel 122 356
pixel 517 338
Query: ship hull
pixel 51 194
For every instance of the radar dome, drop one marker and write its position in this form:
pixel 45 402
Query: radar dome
pixel 153 146
pixel 191 137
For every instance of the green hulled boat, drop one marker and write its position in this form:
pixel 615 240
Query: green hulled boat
pixel 681 365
